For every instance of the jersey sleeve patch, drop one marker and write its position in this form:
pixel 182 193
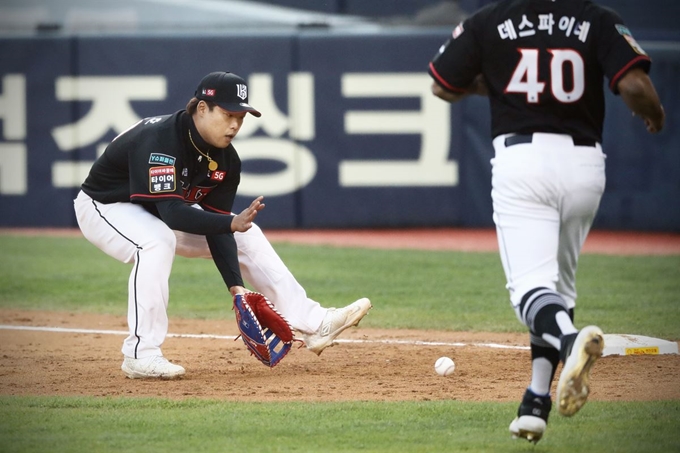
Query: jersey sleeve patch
pixel 458 31
pixel 628 36
pixel 162 179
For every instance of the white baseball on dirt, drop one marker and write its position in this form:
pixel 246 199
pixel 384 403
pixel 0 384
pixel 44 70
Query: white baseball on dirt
pixel 444 366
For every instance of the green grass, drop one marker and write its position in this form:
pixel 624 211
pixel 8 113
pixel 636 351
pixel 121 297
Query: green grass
pixel 59 424
pixel 409 289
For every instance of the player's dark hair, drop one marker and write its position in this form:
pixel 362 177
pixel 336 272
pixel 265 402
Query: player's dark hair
pixel 193 104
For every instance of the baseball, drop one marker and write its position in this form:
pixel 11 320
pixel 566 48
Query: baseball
pixel 444 366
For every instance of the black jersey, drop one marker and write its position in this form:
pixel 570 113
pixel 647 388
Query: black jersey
pixel 155 160
pixel 543 61
pixel 156 165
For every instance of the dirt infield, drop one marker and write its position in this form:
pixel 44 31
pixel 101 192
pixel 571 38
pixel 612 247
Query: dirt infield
pixel 467 240
pixel 373 365
pixel 63 363
pixel 474 240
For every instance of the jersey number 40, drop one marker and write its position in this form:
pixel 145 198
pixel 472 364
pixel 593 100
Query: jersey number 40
pixel 525 78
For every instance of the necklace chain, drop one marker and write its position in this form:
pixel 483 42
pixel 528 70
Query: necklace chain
pixel 212 165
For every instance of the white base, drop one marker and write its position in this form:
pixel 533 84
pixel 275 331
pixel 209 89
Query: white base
pixel 637 345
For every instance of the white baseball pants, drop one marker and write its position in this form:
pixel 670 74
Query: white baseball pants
pixel 130 234
pixel 545 196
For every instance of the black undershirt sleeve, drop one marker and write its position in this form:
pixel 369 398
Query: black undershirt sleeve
pixel 225 255
pixel 215 227
pixel 181 217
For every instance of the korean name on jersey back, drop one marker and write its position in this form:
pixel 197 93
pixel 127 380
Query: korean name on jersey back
pixel 547 23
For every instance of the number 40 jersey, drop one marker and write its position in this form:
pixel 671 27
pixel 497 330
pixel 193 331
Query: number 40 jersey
pixel 544 63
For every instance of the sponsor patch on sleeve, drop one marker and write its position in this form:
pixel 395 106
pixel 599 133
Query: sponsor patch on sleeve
pixel 628 36
pixel 162 179
pixel 458 31
pixel 622 29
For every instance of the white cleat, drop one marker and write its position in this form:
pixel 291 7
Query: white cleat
pixel 336 321
pixel 573 386
pixel 154 367
pixel 528 427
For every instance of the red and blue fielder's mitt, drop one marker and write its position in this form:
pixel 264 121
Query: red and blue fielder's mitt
pixel 266 333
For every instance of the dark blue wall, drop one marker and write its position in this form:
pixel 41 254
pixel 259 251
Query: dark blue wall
pixel 346 119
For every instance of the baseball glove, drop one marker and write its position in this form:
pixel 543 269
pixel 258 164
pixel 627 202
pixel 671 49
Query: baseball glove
pixel 266 333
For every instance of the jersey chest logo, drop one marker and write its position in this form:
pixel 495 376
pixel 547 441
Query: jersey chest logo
pixel 196 194
pixel 162 179
pixel 163 159
pixel 218 175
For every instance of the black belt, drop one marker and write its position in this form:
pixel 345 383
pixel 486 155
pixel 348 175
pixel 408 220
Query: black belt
pixel 528 138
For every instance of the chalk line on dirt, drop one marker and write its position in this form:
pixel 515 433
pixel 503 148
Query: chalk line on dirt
pixel 232 337
pixel 615 344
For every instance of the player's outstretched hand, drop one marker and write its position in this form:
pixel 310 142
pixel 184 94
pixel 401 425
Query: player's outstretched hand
pixel 243 221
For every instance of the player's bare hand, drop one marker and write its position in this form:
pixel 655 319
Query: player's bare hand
pixel 234 290
pixel 243 221
pixel 654 126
